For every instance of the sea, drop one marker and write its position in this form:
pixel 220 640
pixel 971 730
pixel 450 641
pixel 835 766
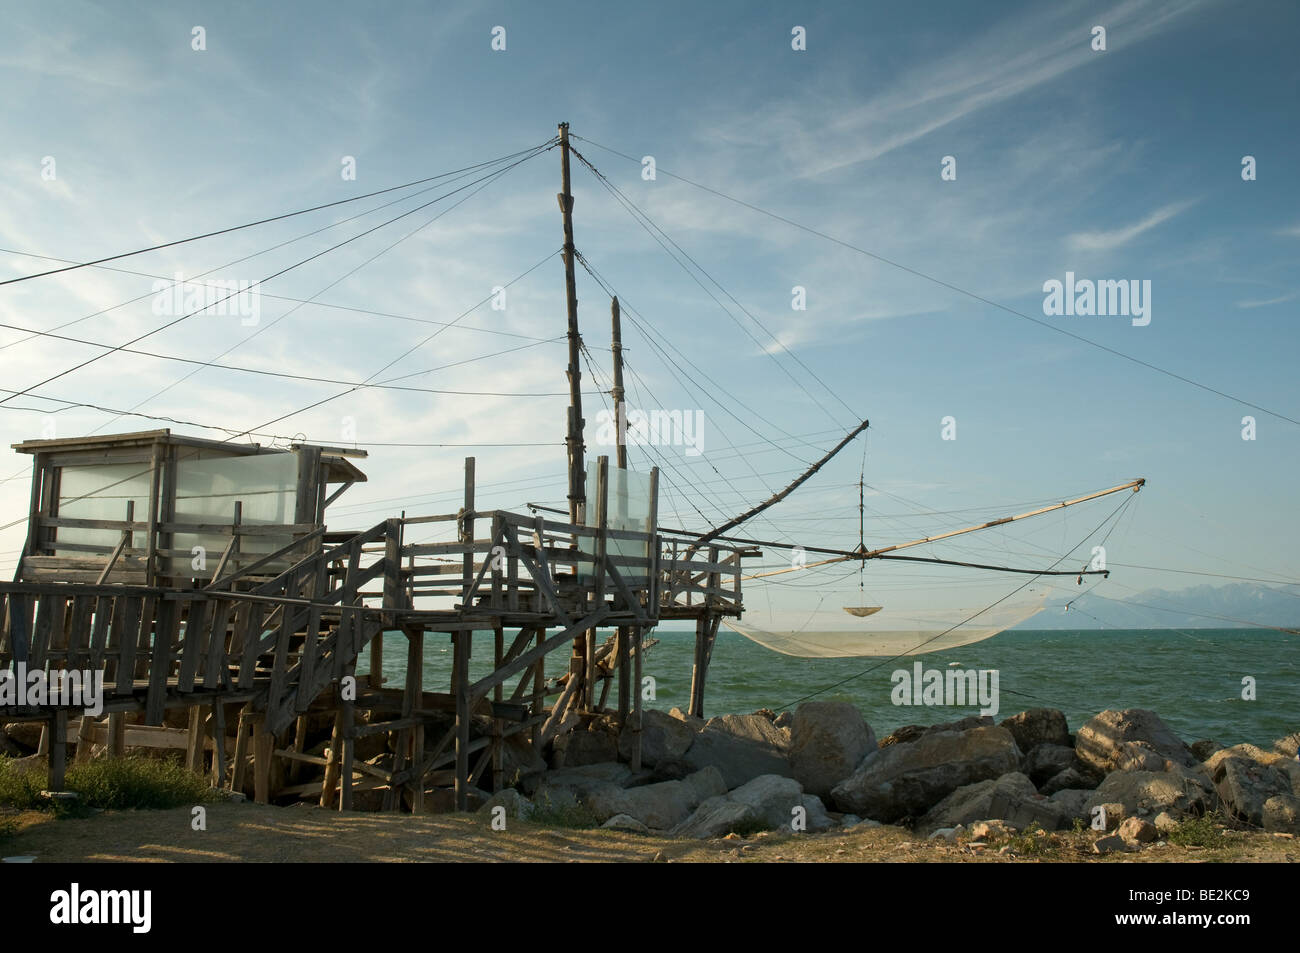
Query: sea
pixel 1228 685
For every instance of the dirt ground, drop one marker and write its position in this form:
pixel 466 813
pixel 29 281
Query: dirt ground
pixel 245 832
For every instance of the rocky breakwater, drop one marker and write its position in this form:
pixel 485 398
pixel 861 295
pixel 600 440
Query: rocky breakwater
pixel 1124 775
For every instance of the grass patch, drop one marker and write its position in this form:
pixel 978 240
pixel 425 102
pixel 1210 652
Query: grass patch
pixel 1198 832
pixel 108 784
pixel 139 783
pixel 571 814
pixel 20 789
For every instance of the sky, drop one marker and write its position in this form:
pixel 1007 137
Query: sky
pixel 914 176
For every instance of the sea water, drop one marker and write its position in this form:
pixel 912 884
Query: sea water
pixel 1192 678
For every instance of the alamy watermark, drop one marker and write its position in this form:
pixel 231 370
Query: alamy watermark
pixel 71 688
pixel 1128 297
pixel 955 687
pixel 653 428
pixel 239 298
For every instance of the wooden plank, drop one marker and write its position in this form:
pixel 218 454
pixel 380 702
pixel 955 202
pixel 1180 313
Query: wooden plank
pixel 79 631
pixel 193 643
pixel 242 731
pixel 104 609
pixel 219 743
pixel 252 630
pixel 160 661
pixel 262 746
pixel 216 672
pixel 47 608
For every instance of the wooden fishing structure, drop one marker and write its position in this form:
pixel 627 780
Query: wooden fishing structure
pixel 201 581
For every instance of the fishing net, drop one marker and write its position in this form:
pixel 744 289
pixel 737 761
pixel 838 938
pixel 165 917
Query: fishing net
pixel 889 632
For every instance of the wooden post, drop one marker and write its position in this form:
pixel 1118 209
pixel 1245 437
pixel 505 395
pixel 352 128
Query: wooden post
pixel 498 694
pixel 636 699
pixel 194 742
pixel 241 748
pixel 539 690
pixel 58 748
pixel 85 738
pixel 218 743
pixel 117 734
pixel 348 711
pixel 263 746
pixel 466 528
pixel 460 688
pixel 573 441
pixel 330 784
pixel 299 743
pixel 616 392
pixel 410 702
pixel 151 543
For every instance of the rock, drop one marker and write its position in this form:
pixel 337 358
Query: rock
pixel 909 733
pixel 716 817
pixel 907 779
pixel 519 761
pixel 766 713
pixel 595 745
pixel 1073 802
pixel 772 797
pixel 815 814
pixel 625 822
pixel 1165 822
pixel 1250 752
pixel 692 720
pixel 671 770
pixel 516 805
pixel 828 740
pixel 784 720
pixel 1245 785
pixel 1101 743
pixel 991 830
pixel 581 780
pixel 25 733
pixel 1046 760
pixel 1038 726
pixel 1138 756
pixel 1111 844
pixel 1152 792
pixel 742 747
pixel 1281 813
pixel 1010 798
pixel 663 738
pixel 849 820
pixel 1289 746
pixel 9 747
pixel 1070 778
pixel 659 806
pixel 946 833
pixel 1137 831
pixel 1203 749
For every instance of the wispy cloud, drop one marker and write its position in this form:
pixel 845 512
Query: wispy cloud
pixel 1116 238
pixel 1263 304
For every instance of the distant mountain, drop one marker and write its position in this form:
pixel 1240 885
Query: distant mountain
pixel 1205 607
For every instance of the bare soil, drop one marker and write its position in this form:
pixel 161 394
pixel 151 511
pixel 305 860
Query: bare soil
pixel 250 833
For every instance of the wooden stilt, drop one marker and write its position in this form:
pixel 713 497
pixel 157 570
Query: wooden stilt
pixel 218 744
pixel 348 711
pixel 331 782
pixel 460 688
pixel 117 734
pixel 85 739
pixel 299 746
pixel 498 694
pixel 194 743
pixel 241 748
pixel 539 690
pixel 636 697
pixel 263 744
pixel 58 731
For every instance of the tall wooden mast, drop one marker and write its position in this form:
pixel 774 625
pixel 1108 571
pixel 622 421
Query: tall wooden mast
pixel 573 441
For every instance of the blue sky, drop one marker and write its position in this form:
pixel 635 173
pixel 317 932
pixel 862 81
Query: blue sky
pixel 1123 163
